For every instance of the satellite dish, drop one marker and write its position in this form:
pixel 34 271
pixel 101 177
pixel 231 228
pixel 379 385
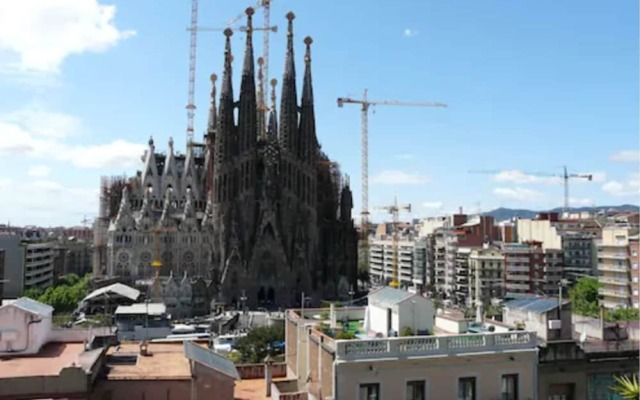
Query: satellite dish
pixel 583 337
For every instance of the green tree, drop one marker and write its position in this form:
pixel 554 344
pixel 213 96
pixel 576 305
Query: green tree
pixel 255 347
pixel 406 331
pixel 622 314
pixel 65 296
pixel 345 335
pixel 627 388
pixel 584 297
pixel 33 293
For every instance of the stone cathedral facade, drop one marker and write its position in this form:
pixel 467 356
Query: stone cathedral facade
pixel 257 209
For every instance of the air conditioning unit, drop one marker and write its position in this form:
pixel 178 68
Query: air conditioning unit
pixel 555 324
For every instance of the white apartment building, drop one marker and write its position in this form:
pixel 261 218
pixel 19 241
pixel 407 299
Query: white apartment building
pixel 618 267
pixel 411 262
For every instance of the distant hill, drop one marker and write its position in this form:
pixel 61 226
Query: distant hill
pixel 502 213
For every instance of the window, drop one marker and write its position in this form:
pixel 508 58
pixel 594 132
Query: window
pixel 415 390
pixel 509 387
pixel 369 391
pixel 467 389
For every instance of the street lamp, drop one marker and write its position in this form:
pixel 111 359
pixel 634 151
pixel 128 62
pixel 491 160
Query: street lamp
pixel 243 299
pixel 351 293
pixel 304 299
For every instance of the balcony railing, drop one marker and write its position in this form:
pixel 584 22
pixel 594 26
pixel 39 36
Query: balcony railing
pixel 609 267
pixel 425 346
pixel 614 293
pixel 614 281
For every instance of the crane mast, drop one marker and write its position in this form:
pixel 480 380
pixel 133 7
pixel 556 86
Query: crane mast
pixel 565 176
pixel 366 103
pixel 191 107
pixel 394 210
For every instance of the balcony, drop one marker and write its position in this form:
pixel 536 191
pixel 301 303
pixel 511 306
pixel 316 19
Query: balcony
pixel 518 286
pixel 430 346
pixel 610 267
pixel 623 294
pixel 615 256
pixel 614 281
pixel 518 269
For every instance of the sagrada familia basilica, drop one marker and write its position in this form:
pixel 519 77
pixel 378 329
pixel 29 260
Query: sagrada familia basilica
pixel 257 210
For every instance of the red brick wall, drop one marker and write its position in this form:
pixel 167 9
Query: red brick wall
pixel 256 371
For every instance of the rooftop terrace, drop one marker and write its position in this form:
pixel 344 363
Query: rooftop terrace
pixel 51 359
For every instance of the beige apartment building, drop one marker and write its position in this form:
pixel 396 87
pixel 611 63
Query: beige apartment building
pixel 618 267
pixel 451 366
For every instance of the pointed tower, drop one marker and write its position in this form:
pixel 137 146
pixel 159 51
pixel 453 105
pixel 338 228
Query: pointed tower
pixel 210 140
pixel 225 131
pixel 247 112
pixel 307 133
pixel 288 100
pixel 262 106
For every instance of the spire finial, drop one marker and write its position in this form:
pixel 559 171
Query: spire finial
pixel 171 144
pixel 150 141
pixel 308 41
pixel 273 82
pixel 261 80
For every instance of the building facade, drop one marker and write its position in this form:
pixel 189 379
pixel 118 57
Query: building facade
pixel 618 267
pixel 258 208
pixel 411 262
pixel 27 264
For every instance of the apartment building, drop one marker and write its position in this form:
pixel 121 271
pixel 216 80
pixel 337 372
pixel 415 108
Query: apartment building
pixel 462 274
pixel 28 264
pixel 444 366
pixel 486 274
pixel 618 267
pixel 575 238
pixel 411 262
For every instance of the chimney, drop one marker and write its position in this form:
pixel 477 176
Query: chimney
pixel 460 210
pixel 268 362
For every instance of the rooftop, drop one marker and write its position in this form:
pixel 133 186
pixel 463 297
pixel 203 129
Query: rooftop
pixel 388 296
pixel 536 305
pixel 165 361
pixel 32 306
pixel 250 389
pixel 117 288
pixel 142 308
pixel 210 359
pixel 52 358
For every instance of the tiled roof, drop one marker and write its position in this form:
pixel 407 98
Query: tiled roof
pixel 210 359
pixel 537 305
pixel 388 296
pixel 32 306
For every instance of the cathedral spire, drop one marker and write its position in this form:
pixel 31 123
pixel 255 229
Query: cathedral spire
pixel 262 105
pixel 211 126
pixel 307 133
pixel 272 128
pixel 247 113
pixel 288 100
pixel 225 120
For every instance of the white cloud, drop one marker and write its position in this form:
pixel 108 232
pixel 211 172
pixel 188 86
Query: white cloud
pixel 39 35
pixel 580 202
pixel 626 156
pixel 45 135
pixel 405 156
pixel 520 177
pixel 44 202
pixel 399 178
pixel 410 32
pixel 518 193
pixel 432 205
pixel 39 171
pixel 630 187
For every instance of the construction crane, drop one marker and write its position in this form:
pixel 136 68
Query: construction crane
pixel 394 210
pixel 266 28
pixel 366 103
pixel 191 106
pixel 565 176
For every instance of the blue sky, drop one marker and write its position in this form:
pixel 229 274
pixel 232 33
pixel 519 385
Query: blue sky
pixel 531 86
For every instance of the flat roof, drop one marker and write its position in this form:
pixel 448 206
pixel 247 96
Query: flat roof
pixel 142 308
pixel 52 358
pixel 252 389
pixel 166 361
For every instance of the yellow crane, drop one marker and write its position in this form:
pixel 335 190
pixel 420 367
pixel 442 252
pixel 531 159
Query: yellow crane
pixel 366 103
pixel 394 210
